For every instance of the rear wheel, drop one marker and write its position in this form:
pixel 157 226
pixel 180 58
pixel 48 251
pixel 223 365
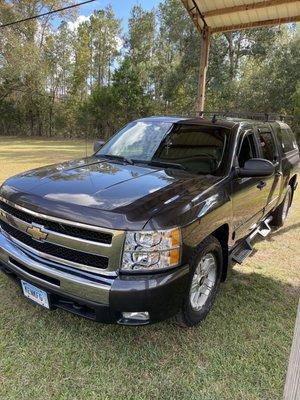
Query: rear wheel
pixel 206 266
pixel 281 212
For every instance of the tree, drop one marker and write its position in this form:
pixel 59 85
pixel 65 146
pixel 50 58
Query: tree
pixel 23 69
pixel 269 83
pixel 139 45
pixel 132 101
pixel 104 39
pixel 62 81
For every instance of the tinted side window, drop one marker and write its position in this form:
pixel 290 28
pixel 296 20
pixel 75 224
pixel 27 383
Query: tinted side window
pixel 247 150
pixel 267 145
pixel 287 139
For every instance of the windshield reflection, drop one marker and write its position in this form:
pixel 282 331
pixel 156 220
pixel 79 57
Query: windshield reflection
pixel 138 140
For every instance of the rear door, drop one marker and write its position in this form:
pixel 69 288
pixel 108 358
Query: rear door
pixel 289 153
pixel 269 151
pixel 248 194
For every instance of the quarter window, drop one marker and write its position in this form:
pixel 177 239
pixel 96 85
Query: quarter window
pixel 287 140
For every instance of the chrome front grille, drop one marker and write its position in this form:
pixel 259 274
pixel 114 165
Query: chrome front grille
pixel 55 250
pixel 85 247
pixel 81 233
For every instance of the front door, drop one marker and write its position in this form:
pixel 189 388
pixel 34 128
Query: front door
pixel 248 194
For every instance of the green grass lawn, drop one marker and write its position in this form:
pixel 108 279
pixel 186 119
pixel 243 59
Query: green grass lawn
pixel 239 352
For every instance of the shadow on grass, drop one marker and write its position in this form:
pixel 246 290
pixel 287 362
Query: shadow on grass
pixel 274 233
pixel 280 231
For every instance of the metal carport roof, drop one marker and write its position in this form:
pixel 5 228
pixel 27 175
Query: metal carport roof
pixel 230 15
pixel 212 16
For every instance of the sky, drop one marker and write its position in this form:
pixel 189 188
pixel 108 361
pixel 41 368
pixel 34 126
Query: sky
pixel 121 8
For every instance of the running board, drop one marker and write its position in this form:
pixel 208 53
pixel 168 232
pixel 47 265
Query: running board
pixel 264 228
pixel 245 248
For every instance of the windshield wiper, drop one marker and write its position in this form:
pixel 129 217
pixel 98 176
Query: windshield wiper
pixel 155 163
pixel 166 164
pixel 115 157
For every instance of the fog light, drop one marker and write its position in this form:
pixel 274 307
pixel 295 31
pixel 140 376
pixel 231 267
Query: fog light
pixel 135 317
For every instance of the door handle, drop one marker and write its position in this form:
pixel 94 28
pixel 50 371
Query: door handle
pixel 261 185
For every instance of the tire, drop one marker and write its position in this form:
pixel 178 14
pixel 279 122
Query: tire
pixel 281 212
pixel 208 256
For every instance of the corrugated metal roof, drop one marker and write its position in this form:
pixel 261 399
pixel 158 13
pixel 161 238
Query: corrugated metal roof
pixel 228 15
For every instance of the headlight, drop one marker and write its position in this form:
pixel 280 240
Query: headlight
pixel 151 250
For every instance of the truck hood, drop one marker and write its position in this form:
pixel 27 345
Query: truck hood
pixel 105 193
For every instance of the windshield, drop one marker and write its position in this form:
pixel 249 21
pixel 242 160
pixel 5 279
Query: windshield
pixel 138 140
pixel 196 149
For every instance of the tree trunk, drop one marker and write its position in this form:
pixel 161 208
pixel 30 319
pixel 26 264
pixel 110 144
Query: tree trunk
pixel 229 38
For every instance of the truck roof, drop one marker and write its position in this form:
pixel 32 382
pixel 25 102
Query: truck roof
pixel 228 122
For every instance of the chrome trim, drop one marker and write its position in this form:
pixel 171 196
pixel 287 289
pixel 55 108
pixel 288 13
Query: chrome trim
pixel 113 251
pixel 106 279
pixel 59 220
pixel 21 271
pixel 52 236
pixel 82 287
pixel 61 261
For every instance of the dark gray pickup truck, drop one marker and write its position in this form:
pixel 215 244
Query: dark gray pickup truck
pixel 146 228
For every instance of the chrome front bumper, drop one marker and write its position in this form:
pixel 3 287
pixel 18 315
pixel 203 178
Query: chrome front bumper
pixel 36 270
pixel 97 297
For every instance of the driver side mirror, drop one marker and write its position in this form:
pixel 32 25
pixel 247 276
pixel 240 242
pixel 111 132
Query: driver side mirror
pixel 98 145
pixel 256 167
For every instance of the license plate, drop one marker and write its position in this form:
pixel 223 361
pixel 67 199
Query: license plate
pixel 35 294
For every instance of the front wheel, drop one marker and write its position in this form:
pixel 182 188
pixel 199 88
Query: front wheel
pixel 281 212
pixel 204 282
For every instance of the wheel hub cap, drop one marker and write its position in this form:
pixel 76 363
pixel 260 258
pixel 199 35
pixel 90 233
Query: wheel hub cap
pixel 203 281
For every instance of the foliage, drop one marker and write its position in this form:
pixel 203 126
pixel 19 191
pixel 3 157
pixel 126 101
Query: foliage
pixel 93 79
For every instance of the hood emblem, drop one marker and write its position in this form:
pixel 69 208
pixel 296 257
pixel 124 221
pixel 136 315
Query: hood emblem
pixel 36 232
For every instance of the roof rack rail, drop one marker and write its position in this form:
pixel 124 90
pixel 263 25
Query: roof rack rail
pixel 266 117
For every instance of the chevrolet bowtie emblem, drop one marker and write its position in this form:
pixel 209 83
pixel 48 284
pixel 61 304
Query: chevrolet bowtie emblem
pixel 36 233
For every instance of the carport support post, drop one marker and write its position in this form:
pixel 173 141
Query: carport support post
pixel 205 44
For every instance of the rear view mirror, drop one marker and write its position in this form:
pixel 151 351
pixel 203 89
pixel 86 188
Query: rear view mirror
pixel 256 167
pixel 98 145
